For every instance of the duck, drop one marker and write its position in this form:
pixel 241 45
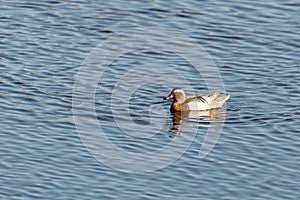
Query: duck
pixel 198 102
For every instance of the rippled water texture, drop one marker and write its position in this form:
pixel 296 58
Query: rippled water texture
pixel 255 46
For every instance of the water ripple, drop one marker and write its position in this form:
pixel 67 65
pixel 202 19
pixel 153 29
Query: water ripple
pixel 255 46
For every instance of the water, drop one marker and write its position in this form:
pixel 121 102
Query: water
pixel 255 46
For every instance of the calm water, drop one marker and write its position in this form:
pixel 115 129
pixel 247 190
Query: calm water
pixel 255 47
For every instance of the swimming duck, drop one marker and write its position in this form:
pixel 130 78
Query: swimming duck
pixel 199 102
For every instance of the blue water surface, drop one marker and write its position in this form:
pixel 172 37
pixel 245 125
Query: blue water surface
pixel 255 46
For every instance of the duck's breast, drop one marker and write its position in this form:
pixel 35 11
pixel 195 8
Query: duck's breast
pixel 175 106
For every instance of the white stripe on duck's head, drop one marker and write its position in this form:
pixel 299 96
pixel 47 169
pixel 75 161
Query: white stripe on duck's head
pixel 177 94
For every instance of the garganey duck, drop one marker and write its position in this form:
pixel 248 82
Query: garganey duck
pixel 199 102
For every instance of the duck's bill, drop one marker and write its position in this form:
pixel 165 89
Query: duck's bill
pixel 169 97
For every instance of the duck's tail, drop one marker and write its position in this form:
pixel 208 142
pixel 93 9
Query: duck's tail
pixel 218 101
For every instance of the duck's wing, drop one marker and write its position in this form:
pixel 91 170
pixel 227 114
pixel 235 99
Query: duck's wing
pixel 214 95
pixel 198 102
pixel 217 101
pixel 206 101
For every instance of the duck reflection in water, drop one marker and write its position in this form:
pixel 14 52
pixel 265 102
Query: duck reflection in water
pixel 206 116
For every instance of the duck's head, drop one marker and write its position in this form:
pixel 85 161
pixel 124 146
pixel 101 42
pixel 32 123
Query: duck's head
pixel 177 94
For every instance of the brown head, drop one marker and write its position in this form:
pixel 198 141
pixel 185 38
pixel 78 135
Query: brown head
pixel 177 94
